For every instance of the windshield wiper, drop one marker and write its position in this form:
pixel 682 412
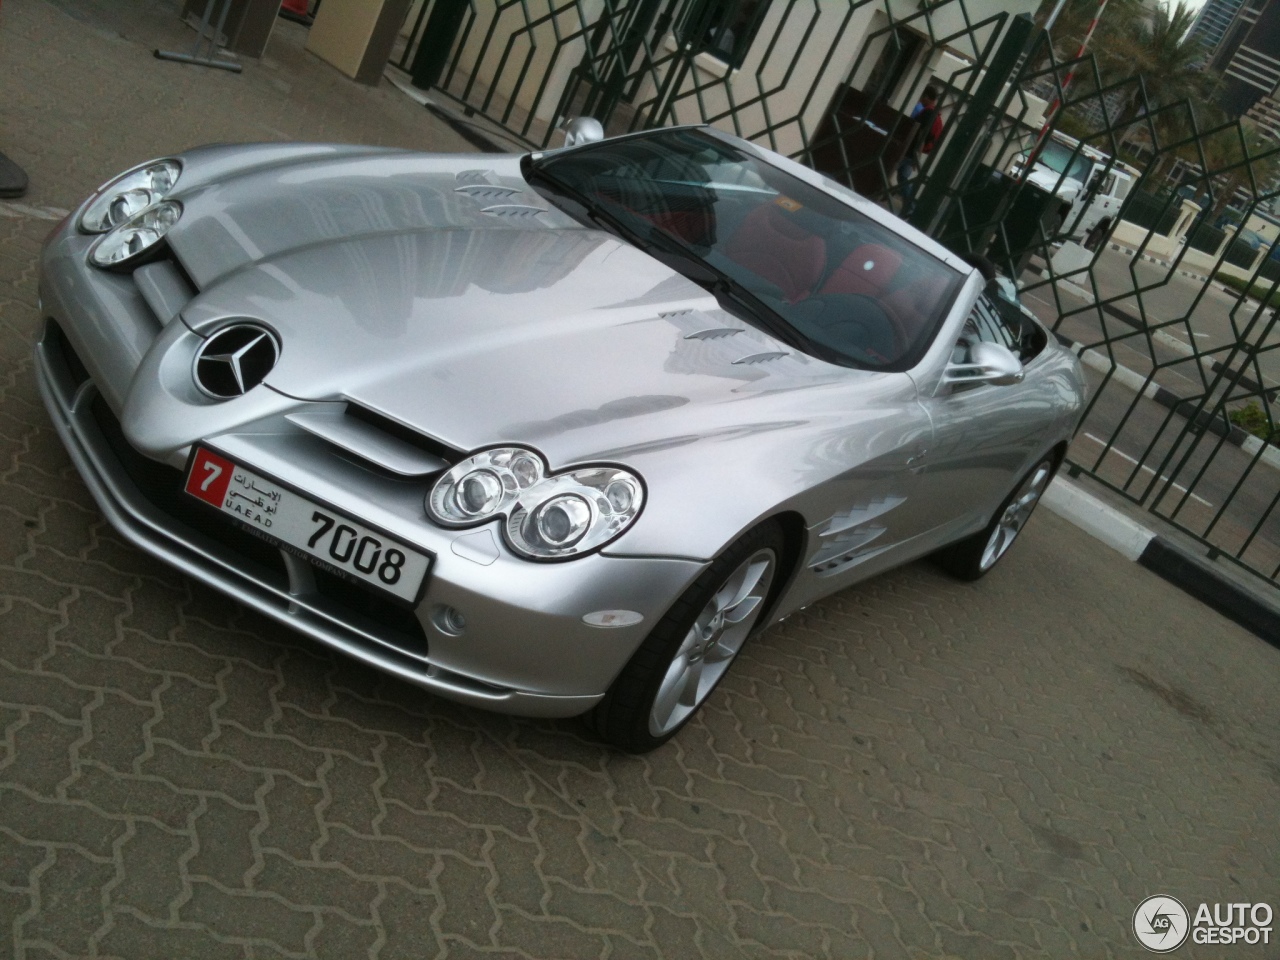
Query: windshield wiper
pixel 724 287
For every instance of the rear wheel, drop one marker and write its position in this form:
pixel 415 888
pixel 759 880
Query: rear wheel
pixel 974 556
pixel 690 649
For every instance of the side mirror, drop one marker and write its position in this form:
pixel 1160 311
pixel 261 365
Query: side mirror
pixel 987 363
pixel 582 130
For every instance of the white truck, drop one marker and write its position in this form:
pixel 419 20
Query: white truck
pixel 1091 185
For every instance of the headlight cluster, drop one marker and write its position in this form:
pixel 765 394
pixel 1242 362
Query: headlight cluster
pixel 136 235
pixel 547 517
pixel 132 213
pixel 130 194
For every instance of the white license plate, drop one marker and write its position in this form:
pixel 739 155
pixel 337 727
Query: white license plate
pixel 333 540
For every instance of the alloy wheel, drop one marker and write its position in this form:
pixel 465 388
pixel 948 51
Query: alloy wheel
pixel 712 642
pixel 1016 514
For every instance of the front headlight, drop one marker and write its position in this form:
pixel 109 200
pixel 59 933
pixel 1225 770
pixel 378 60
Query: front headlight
pixel 548 517
pixel 136 235
pixel 130 194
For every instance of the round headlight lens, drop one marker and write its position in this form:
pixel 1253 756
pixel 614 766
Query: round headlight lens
pixel 620 495
pixel 483 485
pixel 568 514
pixel 562 521
pixel 478 493
pixel 129 194
pixel 136 235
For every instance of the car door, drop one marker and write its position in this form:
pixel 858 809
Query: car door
pixel 867 516
pixel 983 435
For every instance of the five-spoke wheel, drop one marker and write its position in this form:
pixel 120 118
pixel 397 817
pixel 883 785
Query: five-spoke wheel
pixel 690 650
pixel 973 556
pixel 711 643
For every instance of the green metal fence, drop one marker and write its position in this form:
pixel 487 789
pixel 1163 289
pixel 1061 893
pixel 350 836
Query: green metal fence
pixel 1184 375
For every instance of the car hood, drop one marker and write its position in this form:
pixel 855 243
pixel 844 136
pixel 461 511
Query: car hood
pixel 1051 181
pixel 475 325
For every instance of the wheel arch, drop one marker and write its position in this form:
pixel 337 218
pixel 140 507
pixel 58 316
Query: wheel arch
pixel 795 536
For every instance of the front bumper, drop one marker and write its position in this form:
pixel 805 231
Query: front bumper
pixel 525 650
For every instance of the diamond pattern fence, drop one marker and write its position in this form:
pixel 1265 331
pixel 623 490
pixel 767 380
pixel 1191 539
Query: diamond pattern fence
pixel 1132 225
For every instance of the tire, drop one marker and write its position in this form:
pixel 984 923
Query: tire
pixel 692 647
pixel 973 557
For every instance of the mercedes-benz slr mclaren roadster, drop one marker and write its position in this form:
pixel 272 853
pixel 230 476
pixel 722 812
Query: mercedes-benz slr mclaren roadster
pixel 550 434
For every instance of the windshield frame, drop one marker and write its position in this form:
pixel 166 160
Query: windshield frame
pixel 1070 159
pixel 734 296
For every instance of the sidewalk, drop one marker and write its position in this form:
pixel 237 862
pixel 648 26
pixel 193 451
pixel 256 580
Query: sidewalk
pixel 916 768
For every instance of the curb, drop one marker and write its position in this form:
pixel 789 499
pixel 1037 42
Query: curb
pixel 1165 558
pixel 1146 387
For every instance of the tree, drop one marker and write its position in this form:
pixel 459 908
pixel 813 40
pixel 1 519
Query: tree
pixel 1158 49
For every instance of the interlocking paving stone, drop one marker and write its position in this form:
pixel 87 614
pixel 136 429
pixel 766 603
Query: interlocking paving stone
pixel 913 768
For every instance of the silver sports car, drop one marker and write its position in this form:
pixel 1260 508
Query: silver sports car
pixel 550 434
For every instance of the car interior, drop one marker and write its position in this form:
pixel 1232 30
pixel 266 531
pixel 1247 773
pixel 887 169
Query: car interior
pixel 849 284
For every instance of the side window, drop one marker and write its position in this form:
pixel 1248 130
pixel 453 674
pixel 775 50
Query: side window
pixel 1109 187
pixel 1122 187
pixel 723 28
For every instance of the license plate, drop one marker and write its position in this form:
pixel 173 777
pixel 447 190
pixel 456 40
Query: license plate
pixel 330 539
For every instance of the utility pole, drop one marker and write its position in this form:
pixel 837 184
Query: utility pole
pixel 1054 107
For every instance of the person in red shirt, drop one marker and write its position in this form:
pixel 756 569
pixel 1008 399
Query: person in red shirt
pixel 926 131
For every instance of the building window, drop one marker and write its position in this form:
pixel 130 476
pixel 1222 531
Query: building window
pixel 723 28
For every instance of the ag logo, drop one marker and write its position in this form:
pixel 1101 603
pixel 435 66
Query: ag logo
pixel 1161 923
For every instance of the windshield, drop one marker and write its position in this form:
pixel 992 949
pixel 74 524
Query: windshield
pixel 1060 158
pixel 791 258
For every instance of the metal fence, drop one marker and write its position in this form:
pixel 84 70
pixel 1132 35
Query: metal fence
pixel 1138 261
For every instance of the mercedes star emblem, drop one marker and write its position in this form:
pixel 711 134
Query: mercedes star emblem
pixel 235 360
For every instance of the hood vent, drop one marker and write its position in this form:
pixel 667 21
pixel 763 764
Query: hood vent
pixel 487 191
pixel 513 211
pixel 762 357
pixel 714 333
pixel 377 440
pixel 165 287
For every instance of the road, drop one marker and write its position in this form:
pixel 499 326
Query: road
pixel 1213 489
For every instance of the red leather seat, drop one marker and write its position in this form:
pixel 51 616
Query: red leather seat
pixel 772 246
pixel 868 270
pixel 694 227
pixel 912 306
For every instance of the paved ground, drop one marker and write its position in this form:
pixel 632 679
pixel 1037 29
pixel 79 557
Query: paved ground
pixel 915 768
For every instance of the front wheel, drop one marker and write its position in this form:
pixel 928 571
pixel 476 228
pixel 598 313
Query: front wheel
pixel 974 556
pixel 690 649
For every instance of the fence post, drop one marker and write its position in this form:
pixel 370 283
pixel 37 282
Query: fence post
pixel 951 167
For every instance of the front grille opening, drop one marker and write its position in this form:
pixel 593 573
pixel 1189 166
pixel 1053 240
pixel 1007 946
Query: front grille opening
pixel 364 608
pixel 61 349
pixel 360 607
pixel 162 485
pixel 404 434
